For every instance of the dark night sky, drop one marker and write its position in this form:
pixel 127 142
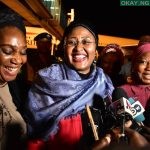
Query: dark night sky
pixel 111 18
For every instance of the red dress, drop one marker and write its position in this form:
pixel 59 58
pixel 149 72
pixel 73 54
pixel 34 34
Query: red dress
pixel 67 138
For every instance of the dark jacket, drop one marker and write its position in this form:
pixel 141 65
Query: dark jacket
pixel 17 95
pixel 14 136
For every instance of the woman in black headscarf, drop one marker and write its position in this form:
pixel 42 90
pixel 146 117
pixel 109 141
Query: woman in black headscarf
pixel 61 92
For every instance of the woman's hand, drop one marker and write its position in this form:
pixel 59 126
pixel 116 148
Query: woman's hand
pixel 102 143
pixel 146 132
pixel 135 138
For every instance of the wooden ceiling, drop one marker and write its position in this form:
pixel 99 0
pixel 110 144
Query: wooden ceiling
pixel 36 15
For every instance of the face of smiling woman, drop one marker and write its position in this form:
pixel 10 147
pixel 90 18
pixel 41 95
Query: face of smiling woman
pixel 80 49
pixel 12 53
pixel 142 67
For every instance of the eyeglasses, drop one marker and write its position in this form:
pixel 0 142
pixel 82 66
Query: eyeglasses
pixel 73 43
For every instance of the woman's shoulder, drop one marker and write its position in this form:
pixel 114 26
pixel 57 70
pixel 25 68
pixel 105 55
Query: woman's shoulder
pixel 123 91
pixel 104 75
pixel 101 73
pixel 124 86
pixel 51 67
pixel 51 72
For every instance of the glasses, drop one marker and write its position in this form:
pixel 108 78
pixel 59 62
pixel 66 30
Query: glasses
pixel 73 43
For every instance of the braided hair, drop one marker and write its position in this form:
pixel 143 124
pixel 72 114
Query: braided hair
pixel 10 18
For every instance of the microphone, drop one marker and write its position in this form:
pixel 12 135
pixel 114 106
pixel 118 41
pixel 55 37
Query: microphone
pixel 119 93
pixel 122 111
pixel 137 110
pixel 119 97
pixel 121 106
pixel 136 107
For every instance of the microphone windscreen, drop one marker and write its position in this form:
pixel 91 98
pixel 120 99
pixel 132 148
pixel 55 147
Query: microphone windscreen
pixel 118 93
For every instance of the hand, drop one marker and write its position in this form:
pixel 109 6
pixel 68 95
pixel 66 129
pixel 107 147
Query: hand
pixel 146 132
pixel 135 138
pixel 102 143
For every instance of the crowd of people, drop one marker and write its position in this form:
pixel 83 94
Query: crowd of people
pixel 61 120
pixel 67 103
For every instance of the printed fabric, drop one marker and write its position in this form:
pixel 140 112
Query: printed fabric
pixel 59 92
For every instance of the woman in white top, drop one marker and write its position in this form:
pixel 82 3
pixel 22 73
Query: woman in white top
pixel 12 57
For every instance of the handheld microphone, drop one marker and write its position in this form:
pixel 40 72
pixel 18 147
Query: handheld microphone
pixel 138 116
pixel 136 107
pixel 119 93
pixel 122 111
pixel 121 106
pixel 137 111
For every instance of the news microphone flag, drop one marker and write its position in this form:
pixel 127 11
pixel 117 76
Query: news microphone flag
pixel 121 106
pixel 137 110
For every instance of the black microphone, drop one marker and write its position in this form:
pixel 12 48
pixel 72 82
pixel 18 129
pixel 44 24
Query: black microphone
pixel 119 93
pixel 137 117
pixel 121 104
pixel 123 113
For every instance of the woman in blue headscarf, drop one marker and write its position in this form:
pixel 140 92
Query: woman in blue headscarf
pixel 61 92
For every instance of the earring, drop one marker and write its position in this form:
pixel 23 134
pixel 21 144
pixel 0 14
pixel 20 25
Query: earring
pixel 96 57
pixel 94 62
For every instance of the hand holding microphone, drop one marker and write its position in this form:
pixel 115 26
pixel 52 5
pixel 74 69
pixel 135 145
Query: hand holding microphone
pixel 102 143
pixel 136 141
pixel 137 114
pixel 132 107
pixel 136 109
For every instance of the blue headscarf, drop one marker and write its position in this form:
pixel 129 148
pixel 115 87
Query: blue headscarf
pixel 60 92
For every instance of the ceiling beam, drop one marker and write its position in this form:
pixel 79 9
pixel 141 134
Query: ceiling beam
pixel 22 10
pixel 38 7
pixel 34 17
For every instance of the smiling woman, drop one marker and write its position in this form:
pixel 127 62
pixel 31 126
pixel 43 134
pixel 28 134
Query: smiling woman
pixel 59 96
pixel 75 56
pixel 12 57
pixel 139 88
pixel 12 51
